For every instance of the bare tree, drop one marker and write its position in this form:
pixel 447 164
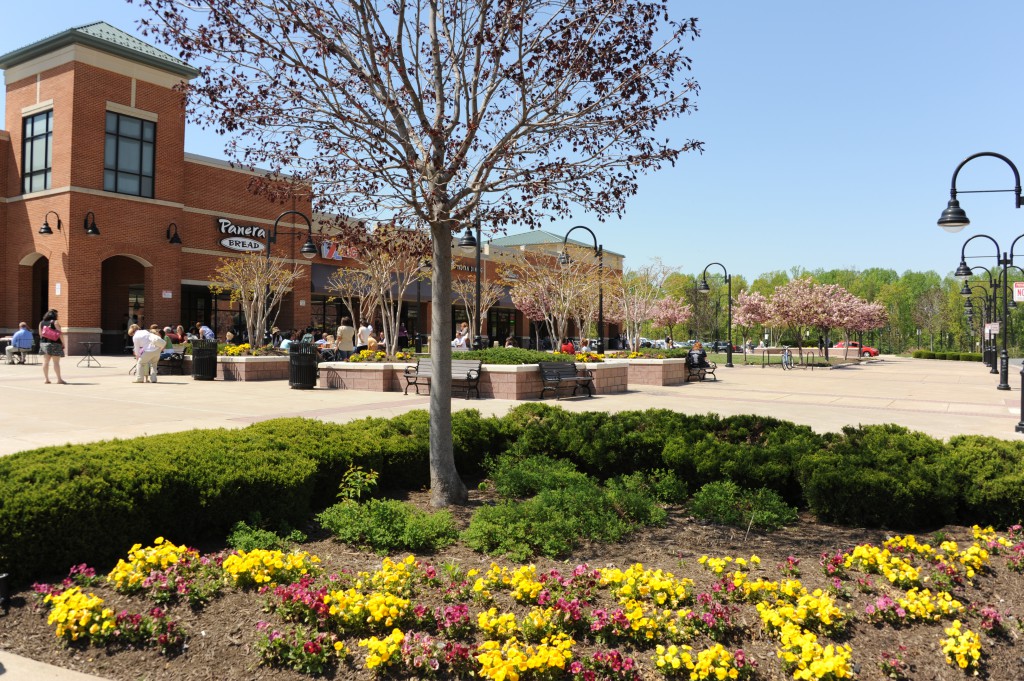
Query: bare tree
pixel 429 113
pixel 556 290
pixel 257 284
pixel 464 289
pixel 355 289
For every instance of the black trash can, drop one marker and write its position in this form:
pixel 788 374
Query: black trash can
pixel 204 360
pixel 302 360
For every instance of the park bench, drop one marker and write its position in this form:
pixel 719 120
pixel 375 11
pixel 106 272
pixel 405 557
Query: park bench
pixel 174 364
pixel 465 373
pixel 696 372
pixel 554 375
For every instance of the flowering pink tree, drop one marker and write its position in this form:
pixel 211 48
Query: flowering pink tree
pixel 751 309
pixel 632 298
pixel 802 304
pixel 670 312
pixel 866 317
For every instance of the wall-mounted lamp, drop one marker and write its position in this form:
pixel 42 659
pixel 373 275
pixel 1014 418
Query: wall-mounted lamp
pixel 45 229
pixel 90 227
pixel 172 234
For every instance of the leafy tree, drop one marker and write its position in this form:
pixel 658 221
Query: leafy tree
pixel 430 113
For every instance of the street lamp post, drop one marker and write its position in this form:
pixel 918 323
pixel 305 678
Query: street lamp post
pixel 308 249
pixel 468 241
pixel 704 288
pixel 967 292
pixel 563 259
pixel 954 218
pixel 988 352
pixel 1005 260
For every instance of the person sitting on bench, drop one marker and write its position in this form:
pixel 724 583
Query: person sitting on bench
pixel 698 357
pixel 21 343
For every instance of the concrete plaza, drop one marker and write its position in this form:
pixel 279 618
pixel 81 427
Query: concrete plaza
pixel 937 397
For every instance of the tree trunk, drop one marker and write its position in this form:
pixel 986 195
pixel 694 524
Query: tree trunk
pixel 446 487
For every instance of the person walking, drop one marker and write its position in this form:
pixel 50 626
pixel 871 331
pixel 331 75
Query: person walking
pixel 146 346
pixel 345 339
pixel 21 342
pixel 51 345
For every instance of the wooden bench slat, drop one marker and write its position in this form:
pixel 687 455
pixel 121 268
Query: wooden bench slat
pixel 466 371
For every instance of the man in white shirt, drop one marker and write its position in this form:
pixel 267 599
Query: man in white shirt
pixel 363 336
pixel 146 346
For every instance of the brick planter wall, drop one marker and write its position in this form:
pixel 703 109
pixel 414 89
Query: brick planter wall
pixel 657 371
pixel 504 382
pixel 373 376
pixel 247 368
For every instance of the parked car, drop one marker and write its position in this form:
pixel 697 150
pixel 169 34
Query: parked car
pixel 862 350
pixel 722 346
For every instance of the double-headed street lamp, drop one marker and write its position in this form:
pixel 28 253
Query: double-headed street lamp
pixel 969 311
pixel 563 259
pixel 704 288
pixel 954 218
pixel 989 352
pixel 964 272
pixel 468 241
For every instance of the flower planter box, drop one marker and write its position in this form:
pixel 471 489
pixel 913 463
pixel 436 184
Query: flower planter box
pixel 247 368
pixel 504 382
pixel 373 376
pixel 657 371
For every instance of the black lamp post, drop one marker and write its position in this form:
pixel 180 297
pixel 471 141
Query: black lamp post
pixel 469 241
pixel 989 352
pixel 969 312
pixel 1005 260
pixel 308 249
pixel 563 259
pixel 704 288
pixel 954 218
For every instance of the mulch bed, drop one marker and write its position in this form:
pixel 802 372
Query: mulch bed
pixel 222 635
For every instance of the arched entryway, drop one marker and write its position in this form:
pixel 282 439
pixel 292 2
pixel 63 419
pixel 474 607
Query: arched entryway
pixel 123 301
pixel 34 283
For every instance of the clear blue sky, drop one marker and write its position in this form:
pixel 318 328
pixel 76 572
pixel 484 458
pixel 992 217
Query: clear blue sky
pixel 832 131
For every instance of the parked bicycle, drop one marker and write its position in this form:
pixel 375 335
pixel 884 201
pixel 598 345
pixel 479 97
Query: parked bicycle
pixel 787 358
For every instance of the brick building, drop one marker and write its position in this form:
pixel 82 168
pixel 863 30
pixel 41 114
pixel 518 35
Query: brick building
pixel 104 217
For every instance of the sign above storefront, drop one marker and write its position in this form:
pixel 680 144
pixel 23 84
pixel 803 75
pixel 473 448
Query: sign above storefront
pixel 244 238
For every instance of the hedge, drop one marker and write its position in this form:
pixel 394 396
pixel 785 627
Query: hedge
pixel 60 506
pixel 961 356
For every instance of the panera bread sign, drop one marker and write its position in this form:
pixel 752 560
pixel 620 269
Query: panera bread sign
pixel 245 238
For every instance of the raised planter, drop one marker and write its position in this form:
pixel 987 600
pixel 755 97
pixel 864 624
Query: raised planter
pixel 501 381
pixel 657 371
pixel 247 368
pixel 373 376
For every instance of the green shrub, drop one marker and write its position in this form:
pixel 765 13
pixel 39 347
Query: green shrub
pixel 941 355
pixel 989 476
pixel 552 523
pixel 928 354
pixel 971 356
pixel 386 526
pixel 917 354
pixel 514 356
pixel 726 503
pixel 880 476
pixel 85 503
pixel 955 356
pixel 246 537
pixel 521 478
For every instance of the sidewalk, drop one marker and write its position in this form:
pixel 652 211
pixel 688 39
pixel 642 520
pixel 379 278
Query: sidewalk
pixel 936 397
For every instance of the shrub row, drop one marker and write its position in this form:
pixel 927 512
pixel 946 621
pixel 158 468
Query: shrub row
pixel 85 503
pixel 961 356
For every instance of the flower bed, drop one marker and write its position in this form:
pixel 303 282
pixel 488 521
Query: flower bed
pixel 727 617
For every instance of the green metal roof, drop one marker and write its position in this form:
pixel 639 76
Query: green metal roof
pixel 101 36
pixel 538 237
